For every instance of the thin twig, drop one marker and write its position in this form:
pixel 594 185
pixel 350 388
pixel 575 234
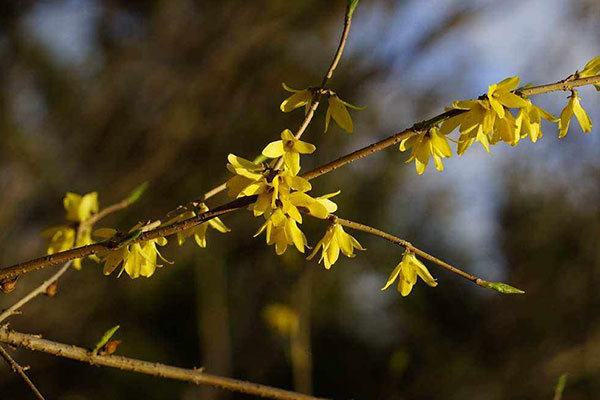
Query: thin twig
pixel 196 376
pixel 54 278
pixel 84 251
pixel 59 258
pixel 421 126
pixel 35 292
pixel 401 242
pixel 19 371
pixel 316 98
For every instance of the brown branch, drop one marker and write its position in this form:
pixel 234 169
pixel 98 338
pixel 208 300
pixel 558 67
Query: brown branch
pixel 419 127
pixel 35 343
pixel 35 292
pixel 407 245
pixel 58 258
pixel 19 371
pixel 316 98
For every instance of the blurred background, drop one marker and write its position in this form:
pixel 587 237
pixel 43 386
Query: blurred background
pixel 103 95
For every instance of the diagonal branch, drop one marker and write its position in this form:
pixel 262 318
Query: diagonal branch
pixel 59 258
pixel 195 376
pixel 498 286
pixel 19 371
pixel 565 84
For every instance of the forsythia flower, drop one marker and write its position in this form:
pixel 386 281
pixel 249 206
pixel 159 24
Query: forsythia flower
pixel 290 148
pixel 500 95
pixel 573 107
pixel 489 116
pixel 407 271
pixel 298 99
pixel 591 68
pixel 79 209
pixel 476 122
pixel 337 109
pixel 282 230
pixel 529 121
pixel 425 145
pixel 137 259
pixel 334 241
pixel 199 231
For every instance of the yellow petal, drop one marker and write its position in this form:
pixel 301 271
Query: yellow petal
pixel 392 277
pixel 340 114
pixel 584 120
pixel 273 149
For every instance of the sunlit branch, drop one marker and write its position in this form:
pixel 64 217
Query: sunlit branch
pixel 407 245
pixel 195 376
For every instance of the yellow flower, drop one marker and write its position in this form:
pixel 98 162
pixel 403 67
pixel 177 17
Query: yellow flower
pixel 334 241
pixel 282 230
pixel 199 231
pixel 61 238
pixel 282 319
pixel 529 121
pixel 500 95
pixel 298 99
pixel 407 271
pixel 425 145
pixel 290 148
pixel 476 123
pixel 79 208
pixel 506 130
pixel 591 69
pixel 137 259
pixel 573 107
pixel 337 109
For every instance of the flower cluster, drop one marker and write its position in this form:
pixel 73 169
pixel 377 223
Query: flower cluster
pixel 489 120
pixel 79 210
pixel 282 195
pixel 407 271
pixel 136 258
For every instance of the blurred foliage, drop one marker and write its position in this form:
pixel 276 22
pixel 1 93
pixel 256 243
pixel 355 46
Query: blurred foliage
pixel 162 93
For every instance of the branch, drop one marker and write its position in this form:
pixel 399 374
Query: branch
pixel 500 287
pixel 565 84
pixel 317 97
pixel 35 292
pixel 19 371
pixel 84 251
pixel 58 258
pixel 35 343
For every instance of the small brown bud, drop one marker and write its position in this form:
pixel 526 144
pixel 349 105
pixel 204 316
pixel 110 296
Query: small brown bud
pixel 52 289
pixel 109 348
pixel 8 285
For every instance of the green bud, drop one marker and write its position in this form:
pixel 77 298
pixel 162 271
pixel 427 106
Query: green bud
pixel 137 193
pixel 351 6
pixel 502 287
pixel 105 338
pixel 560 386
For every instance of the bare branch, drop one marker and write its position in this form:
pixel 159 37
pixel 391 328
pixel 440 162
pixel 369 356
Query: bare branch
pixel 19 371
pixel 196 376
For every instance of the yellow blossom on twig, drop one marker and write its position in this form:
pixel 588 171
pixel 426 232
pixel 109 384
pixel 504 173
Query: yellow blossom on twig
pixel 573 107
pixel 298 99
pixel 290 149
pixel 425 145
pixel 407 271
pixel 337 109
pixel 334 241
